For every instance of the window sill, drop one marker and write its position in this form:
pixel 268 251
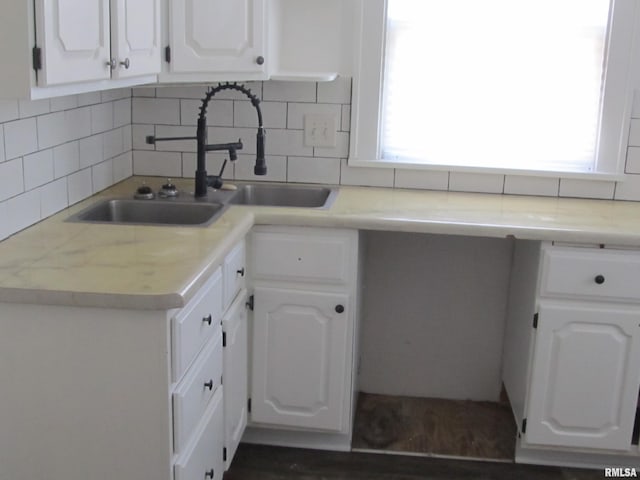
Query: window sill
pixel 407 165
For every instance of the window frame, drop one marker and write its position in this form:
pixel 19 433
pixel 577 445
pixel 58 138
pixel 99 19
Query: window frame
pixel 621 78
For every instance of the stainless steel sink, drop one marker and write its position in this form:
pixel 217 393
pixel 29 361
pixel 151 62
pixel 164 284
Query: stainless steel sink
pixel 150 212
pixel 284 196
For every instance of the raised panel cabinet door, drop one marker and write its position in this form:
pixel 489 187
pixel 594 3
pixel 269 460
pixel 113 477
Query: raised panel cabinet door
pixel 585 376
pixel 300 358
pixel 235 374
pixel 217 36
pixel 75 40
pixel 135 37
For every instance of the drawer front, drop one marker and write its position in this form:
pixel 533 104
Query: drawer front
pixel 195 324
pixel 202 459
pixel 592 273
pixel 234 271
pixel 193 393
pixel 317 256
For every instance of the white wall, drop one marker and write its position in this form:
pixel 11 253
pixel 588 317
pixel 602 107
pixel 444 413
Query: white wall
pixel 56 152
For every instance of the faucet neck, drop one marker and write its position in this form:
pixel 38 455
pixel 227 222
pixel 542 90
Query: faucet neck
pixel 201 160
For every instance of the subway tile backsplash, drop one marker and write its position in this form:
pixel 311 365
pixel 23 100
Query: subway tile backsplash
pixel 57 152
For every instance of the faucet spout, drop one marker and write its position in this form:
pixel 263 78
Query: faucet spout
pixel 232 148
pixel 204 181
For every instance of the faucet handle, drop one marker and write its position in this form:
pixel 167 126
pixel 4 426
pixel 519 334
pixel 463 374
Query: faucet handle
pixel 224 164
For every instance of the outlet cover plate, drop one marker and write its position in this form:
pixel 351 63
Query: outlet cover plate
pixel 320 130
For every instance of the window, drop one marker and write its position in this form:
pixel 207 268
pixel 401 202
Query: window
pixel 511 85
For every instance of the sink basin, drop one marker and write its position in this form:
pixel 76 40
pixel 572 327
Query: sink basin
pixel 284 196
pixel 149 212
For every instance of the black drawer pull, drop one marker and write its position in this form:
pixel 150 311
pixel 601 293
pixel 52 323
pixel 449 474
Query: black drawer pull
pixel 599 279
pixel 209 385
pixel 209 474
pixel 339 308
pixel 240 272
pixel 207 320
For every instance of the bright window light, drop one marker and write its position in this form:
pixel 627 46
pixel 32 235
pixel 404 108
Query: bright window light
pixel 513 84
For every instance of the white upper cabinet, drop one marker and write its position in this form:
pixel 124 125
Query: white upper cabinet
pixel 74 39
pixel 311 39
pixel 135 37
pixel 213 40
pixel 62 47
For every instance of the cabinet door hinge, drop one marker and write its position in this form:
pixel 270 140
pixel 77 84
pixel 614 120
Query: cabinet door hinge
pixel 524 425
pixel 224 454
pixel 250 303
pixel 224 339
pixel 167 54
pixel 37 58
pixel 249 405
pixel 535 321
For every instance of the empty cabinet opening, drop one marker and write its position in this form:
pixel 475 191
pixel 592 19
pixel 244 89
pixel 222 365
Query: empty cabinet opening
pixel 431 335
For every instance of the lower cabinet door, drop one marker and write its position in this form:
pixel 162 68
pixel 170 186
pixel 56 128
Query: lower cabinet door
pixel 585 376
pixel 301 356
pixel 235 376
pixel 202 459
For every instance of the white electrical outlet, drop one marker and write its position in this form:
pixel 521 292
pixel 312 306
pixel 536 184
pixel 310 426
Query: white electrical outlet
pixel 320 130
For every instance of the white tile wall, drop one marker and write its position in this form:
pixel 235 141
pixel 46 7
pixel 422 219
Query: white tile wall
pixel 525 185
pixel 284 106
pixel 20 138
pixel 57 152
pixel 38 168
pixel 422 179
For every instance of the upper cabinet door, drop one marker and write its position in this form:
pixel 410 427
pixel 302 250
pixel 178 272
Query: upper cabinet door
pixel 135 31
pixel 74 38
pixel 217 36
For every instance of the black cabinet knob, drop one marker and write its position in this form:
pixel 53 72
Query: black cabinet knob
pixel 207 319
pixel 339 308
pixel 260 60
pixel 209 474
pixel 599 279
pixel 240 272
pixel 209 385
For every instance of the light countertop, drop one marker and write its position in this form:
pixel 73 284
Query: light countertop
pixel 161 267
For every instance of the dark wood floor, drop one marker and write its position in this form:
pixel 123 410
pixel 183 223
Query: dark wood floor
pixel 257 462
pixel 402 428
pixel 436 426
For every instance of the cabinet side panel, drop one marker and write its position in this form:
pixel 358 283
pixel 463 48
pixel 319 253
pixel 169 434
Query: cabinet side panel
pixel 85 393
pixel 16 41
pixel 519 325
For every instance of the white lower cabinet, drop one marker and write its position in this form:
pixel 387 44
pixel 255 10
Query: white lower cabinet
pixel 571 362
pixel 304 283
pixel 585 376
pixel 203 459
pixel 99 393
pixel 300 357
pixel 235 378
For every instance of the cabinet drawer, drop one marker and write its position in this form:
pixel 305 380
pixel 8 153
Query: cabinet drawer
pixel 592 273
pixel 194 325
pixel 202 458
pixel 234 272
pixel 313 255
pixel 194 392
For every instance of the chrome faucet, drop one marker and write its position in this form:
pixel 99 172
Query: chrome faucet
pixel 204 181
